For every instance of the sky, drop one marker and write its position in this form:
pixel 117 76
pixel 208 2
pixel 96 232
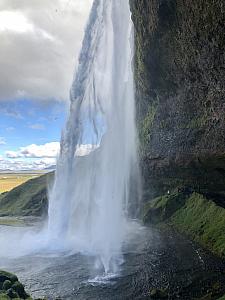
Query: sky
pixel 39 45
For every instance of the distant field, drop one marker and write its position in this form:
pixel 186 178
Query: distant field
pixel 10 181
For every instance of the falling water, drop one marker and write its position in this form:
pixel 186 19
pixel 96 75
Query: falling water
pixel 89 202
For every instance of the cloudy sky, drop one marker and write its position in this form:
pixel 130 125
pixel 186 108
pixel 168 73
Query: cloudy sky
pixel 39 45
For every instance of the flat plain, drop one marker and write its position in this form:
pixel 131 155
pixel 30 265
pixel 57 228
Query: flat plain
pixel 8 181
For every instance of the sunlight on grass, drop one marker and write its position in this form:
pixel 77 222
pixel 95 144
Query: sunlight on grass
pixel 10 181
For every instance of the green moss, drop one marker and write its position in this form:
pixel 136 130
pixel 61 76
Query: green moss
pixel 222 298
pixel 204 221
pixel 11 288
pixel 19 289
pixel 7 276
pixel 162 208
pixel 146 125
pixel 6 285
pixel 11 221
pixel 194 215
pixel 197 122
pixel 4 297
pixel 159 293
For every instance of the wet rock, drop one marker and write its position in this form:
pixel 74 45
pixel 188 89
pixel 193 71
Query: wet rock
pixel 19 288
pixel 206 297
pixel 12 294
pixel 193 214
pixel 6 285
pixel 158 294
pixel 180 91
pixel 12 288
pixel 7 276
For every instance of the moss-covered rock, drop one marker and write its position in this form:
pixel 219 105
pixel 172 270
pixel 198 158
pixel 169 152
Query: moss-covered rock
pixel 159 294
pixel 19 289
pixel 6 285
pixel 12 294
pixel 192 213
pixel 7 276
pixel 11 288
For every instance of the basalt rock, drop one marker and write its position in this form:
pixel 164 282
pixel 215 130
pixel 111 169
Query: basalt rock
pixel 180 93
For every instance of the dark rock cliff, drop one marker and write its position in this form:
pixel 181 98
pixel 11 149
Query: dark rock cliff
pixel 180 93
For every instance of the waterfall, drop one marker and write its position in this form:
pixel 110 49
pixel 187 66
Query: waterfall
pixel 89 202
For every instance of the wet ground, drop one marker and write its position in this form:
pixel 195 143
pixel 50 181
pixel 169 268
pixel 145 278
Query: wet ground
pixel 152 259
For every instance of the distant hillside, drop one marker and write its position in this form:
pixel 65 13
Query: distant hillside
pixel 51 168
pixel 30 198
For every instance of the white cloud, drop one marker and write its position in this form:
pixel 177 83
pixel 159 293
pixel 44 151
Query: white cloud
pixel 14 21
pixel 2 141
pixel 48 150
pixel 38 157
pixel 40 42
pixel 10 112
pixel 19 165
pixel 37 126
pixel 10 128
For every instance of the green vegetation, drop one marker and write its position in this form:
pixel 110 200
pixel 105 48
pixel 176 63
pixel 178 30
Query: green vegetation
pixel 11 288
pixel 198 122
pixel 146 125
pixel 7 221
pixel 28 199
pixel 193 214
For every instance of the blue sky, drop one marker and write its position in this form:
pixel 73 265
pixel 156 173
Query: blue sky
pixel 26 122
pixel 40 43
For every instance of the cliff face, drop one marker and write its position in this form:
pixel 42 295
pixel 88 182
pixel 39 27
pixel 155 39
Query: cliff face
pixel 180 93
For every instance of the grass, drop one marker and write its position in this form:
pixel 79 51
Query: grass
pixel 27 199
pixel 11 221
pixel 194 215
pixel 10 181
pixel 204 221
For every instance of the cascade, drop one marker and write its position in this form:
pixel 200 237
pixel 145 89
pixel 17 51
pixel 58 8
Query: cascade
pixel 89 202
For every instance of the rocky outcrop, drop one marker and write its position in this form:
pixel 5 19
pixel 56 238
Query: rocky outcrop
pixel 11 288
pixel 180 92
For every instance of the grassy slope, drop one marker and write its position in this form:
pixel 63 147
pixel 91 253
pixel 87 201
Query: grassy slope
pixel 30 198
pixel 192 214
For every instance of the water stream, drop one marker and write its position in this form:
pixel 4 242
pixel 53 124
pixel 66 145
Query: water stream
pixel 152 259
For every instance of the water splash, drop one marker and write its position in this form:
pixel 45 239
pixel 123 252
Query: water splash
pixel 89 201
